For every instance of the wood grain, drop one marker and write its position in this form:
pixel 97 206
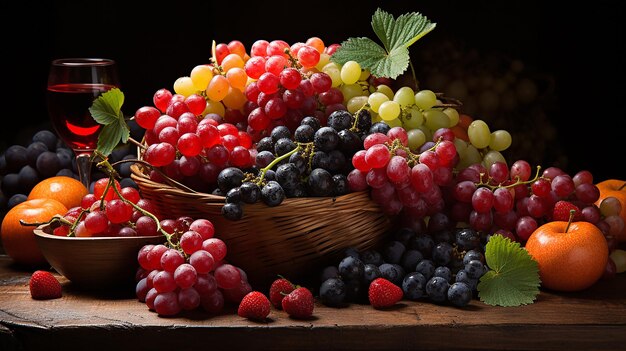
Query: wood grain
pixel 590 320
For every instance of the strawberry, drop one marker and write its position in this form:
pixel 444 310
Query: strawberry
pixel 383 293
pixel 562 209
pixel 254 305
pixel 43 286
pixel 278 290
pixel 299 303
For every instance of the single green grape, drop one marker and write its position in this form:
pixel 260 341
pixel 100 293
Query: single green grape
pixel 425 99
pixel 413 119
pixel 471 156
pixel 349 91
pixel 427 132
pixel 350 72
pixel 453 115
pixel 396 122
pixel 364 75
pixel 435 119
pixel 500 140
pixel 405 96
pixel 417 138
pixel 334 73
pixel 389 110
pixel 479 134
pixel 356 103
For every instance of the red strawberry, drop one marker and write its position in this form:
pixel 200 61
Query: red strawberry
pixel 561 211
pixel 278 290
pixel 254 305
pixel 383 293
pixel 299 303
pixel 43 286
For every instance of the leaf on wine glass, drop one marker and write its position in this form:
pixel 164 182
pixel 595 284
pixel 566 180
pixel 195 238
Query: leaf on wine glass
pixel 107 110
pixel 396 35
pixel 513 278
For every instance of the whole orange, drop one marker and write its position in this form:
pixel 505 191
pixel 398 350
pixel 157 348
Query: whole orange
pixel 18 240
pixel 570 258
pixel 66 190
pixel 617 189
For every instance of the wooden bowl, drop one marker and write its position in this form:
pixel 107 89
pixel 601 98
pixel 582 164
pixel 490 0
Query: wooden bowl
pixel 97 262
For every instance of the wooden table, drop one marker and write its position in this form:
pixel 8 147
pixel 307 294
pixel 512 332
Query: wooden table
pixel 590 320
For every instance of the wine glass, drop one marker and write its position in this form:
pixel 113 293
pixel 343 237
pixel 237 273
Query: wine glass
pixel 73 85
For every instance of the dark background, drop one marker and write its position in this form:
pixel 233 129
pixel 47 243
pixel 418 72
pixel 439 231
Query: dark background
pixel 579 47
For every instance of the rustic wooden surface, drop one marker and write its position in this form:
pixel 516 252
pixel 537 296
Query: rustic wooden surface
pixel 591 320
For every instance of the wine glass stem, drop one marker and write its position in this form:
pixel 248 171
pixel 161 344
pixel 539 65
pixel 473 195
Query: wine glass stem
pixel 83 164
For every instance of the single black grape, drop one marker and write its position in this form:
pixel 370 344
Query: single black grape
pixel 475 269
pixel 28 177
pixel 283 146
pixel 404 235
pixel 270 174
pixel 424 243
pixel 372 257
pixel 413 285
pixel 69 173
pixel 329 272
pixel 288 176
pixel 442 254
pixel 321 160
pixel 437 289
pixel 16 157
pixel 311 121
pixel 349 142
pixel 326 139
pixel 47 137
pixel 340 185
pixel 301 162
pixel 16 199
pixel 467 239
pixel 459 294
pixel 280 132
pixel 426 267
pixel 364 120
pixel 250 192
pixel 333 292
pixel 320 182
pixel 232 211
pixel 463 277
pixel 298 191
pixel 264 158
pixel 442 236
pixel 352 252
pixel 229 178
pixel 125 182
pixel 339 120
pixel 233 195
pixel 379 127
pixel 272 193
pixel 351 268
pixel 265 144
pixel 48 164
pixel 304 134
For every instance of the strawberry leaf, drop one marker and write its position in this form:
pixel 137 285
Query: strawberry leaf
pixel 396 35
pixel 513 276
pixel 107 110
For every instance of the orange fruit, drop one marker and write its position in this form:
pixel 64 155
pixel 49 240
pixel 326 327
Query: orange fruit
pixel 18 240
pixel 569 258
pixel 617 189
pixel 66 190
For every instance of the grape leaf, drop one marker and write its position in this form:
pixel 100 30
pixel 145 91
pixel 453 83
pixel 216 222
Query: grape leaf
pixel 107 110
pixel 391 59
pixel 513 276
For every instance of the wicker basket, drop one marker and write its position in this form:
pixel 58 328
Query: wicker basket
pixel 293 239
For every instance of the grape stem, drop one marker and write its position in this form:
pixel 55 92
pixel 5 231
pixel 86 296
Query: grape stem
pixel 294 61
pixel 264 170
pixel 413 158
pixel 517 182
pixel 354 128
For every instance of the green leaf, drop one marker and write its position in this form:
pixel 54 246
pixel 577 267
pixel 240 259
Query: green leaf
pixel 107 110
pixel 403 31
pixel 371 55
pixel 396 35
pixel 513 278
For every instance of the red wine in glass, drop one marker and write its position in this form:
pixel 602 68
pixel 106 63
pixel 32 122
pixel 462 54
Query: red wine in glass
pixel 69 111
pixel 73 85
